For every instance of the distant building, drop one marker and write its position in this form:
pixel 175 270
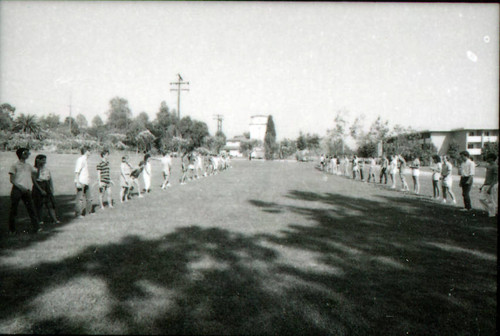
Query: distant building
pixel 258 125
pixel 233 146
pixel 471 140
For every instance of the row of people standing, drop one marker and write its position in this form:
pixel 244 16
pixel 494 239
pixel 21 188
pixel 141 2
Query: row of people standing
pixel 395 165
pixel 33 185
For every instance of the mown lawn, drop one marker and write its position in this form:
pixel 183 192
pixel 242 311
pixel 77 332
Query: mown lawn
pixel 263 248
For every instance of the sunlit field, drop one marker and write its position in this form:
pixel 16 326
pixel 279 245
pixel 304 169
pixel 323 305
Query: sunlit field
pixel 261 248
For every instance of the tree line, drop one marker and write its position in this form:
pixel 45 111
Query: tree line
pixel 121 130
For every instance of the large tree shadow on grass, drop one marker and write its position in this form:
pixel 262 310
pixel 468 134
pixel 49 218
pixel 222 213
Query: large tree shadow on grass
pixel 352 267
pixel 197 281
pixel 409 265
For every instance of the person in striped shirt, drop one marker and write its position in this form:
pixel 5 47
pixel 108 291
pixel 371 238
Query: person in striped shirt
pixel 104 179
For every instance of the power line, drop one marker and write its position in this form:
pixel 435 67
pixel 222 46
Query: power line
pixel 179 89
pixel 219 118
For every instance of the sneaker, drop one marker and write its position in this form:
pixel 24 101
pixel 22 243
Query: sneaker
pixel 454 202
pixel 80 217
pixel 140 196
pixel 464 210
pixel 443 201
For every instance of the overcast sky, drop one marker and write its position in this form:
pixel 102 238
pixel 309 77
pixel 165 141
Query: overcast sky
pixel 429 66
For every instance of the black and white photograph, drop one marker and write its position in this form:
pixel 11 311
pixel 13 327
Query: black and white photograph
pixel 249 167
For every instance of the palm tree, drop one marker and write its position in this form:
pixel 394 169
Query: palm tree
pixel 27 124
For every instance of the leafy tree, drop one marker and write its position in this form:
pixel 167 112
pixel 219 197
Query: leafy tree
pixel 6 116
pixel 313 141
pixel 119 114
pixel 335 138
pixel 145 140
pixel 287 148
pixel 301 142
pixel 246 135
pixel 97 122
pixel 247 146
pixel 199 132
pixel 27 124
pixel 81 121
pixel 75 130
pixel 51 122
pixel 270 139
pixel 453 152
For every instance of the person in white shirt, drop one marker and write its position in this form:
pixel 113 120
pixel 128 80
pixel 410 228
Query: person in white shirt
pixel 146 173
pixel 466 179
pixel 82 184
pixel 393 169
pixel 166 162
pixel 446 172
pixel 415 173
pixel 371 171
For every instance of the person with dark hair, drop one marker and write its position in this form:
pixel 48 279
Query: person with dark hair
pixel 402 167
pixel 104 179
pixel 393 169
pixel 467 179
pixel 489 195
pixel 43 190
pixel 146 173
pixel 82 184
pixel 436 168
pixel 21 177
pixel 384 167
pixel 446 173
pixel 415 173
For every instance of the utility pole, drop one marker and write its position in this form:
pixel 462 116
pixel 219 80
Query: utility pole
pixel 219 118
pixel 179 89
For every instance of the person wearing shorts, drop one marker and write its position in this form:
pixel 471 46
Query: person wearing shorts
pixel 125 179
pixel 166 162
pixel 436 175
pixel 104 179
pixel 393 170
pixel 446 173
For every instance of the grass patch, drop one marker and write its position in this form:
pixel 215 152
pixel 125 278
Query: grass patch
pixel 265 247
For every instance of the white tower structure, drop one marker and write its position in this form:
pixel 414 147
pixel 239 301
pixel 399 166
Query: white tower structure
pixel 258 125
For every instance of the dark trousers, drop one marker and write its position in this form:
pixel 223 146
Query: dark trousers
pixel 39 200
pixel 383 174
pixel 435 188
pixel 17 195
pixel 361 173
pixel 466 184
pixel 82 193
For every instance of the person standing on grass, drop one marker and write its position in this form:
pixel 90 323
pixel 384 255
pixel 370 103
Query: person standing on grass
pixel 134 178
pixel 166 162
pixel 185 165
pixel 322 162
pixel 346 166
pixel 402 167
pixel 489 189
pixel 333 163
pixel 393 169
pixel 125 179
pixel 43 190
pixel 82 183
pixel 467 179
pixel 446 173
pixel 415 173
pixel 355 167
pixel 384 168
pixel 371 170
pixel 361 164
pixel 21 177
pixel 104 179
pixel 146 173
pixel 436 168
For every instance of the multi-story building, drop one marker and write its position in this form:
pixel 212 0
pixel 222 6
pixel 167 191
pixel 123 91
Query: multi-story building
pixel 258 125
pixel 471 140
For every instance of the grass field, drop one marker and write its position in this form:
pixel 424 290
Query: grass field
pixel 263 248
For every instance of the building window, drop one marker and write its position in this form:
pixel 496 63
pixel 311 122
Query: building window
pixel 487 133
pixel 470 145
pixel 471 133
